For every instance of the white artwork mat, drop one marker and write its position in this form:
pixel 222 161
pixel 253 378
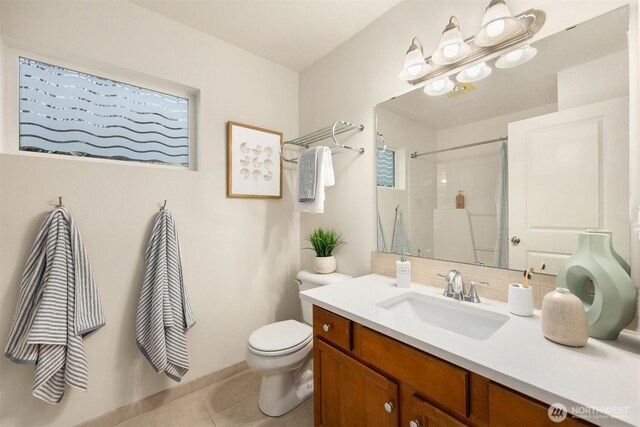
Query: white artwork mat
pixel 255 162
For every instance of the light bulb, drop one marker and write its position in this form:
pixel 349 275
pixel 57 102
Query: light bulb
pixel 515 55
pixel 474 71
pixel 414 70
pixel 495 28
pixel 438 85
pixel 451 50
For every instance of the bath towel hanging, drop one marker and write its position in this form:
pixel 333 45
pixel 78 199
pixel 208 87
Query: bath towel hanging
pixel 324 177
pixel 307 174
pixel 164 312
pixel 400 242
pixel 59 304
pixel 382 243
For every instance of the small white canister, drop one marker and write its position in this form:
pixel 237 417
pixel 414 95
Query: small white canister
pixel 520 299
pixel 563 318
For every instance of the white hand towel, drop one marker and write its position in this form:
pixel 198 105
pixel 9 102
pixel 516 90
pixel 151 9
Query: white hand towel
pixel 324 178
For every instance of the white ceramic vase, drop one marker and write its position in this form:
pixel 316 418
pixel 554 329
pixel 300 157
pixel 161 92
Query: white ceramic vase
pixel 564 319
pixel 324 265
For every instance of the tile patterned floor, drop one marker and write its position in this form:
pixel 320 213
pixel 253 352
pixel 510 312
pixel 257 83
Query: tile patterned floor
pixel 232 402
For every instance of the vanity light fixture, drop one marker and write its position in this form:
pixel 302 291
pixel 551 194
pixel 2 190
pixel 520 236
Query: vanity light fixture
pixel 439 87
pixel 474 73
pixel 415 65
pixel 497 25
pixel 500 32
pixel 516 57
pixel 452 47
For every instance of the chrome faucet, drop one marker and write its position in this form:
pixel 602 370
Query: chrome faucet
pixel 455 287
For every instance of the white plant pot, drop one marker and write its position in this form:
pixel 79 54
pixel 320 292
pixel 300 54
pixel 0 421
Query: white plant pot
pixel 324 265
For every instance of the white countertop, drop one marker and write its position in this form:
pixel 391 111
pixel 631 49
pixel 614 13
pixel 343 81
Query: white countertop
pixel 601 378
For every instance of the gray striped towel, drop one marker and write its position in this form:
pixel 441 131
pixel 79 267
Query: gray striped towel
pixel 164 312
pixel 59 304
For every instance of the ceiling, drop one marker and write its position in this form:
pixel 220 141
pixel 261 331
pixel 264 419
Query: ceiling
pixel 530 85
pixel 292 33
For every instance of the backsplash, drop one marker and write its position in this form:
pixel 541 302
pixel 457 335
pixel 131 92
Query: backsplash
pixel 424 271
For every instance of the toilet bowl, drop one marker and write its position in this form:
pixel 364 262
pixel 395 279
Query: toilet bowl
pixel 282 353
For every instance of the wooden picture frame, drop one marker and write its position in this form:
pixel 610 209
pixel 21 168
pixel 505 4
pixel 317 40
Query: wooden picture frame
pixel 254 166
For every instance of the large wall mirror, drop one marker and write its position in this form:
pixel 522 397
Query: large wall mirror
pixel 505 171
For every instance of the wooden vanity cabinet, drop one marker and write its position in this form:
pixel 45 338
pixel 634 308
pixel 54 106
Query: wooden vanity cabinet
pixel 509 408
pixel 347 393
pixel 423 414
pixel 333 328
pixel 365 378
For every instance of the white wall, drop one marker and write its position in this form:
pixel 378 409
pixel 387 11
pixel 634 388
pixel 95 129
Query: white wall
pixel 594 81
pixel 350 81
pixel 239 256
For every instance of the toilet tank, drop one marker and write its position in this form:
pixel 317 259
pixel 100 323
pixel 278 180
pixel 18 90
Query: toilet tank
pixel 308 280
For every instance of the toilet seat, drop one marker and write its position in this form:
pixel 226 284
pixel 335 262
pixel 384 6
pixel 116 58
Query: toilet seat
pixel 280 338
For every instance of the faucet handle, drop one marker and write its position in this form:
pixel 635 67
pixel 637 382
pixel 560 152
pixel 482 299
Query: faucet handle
pixel 472 295
pixel 448 292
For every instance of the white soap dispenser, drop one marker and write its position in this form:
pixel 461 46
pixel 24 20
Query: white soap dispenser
pixel 403 272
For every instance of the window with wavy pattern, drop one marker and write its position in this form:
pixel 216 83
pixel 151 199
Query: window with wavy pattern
pixel 386 167
pixel 63 111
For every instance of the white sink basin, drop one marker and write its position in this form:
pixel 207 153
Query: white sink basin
pixel 455 316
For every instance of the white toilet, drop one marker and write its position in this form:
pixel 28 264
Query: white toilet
pixel 281 353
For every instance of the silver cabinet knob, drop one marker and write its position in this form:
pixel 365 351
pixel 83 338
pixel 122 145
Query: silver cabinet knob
pixel 326 327
pixel 388 406
pixel 414 423
pixel 515 240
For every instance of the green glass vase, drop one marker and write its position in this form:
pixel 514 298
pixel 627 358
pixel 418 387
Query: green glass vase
pixel 613 305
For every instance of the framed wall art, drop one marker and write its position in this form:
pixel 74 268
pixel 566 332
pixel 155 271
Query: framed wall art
pixel 254 167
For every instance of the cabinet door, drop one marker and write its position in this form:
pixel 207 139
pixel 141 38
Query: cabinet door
pixel 425 415
pixel 508 409
pixel 348 394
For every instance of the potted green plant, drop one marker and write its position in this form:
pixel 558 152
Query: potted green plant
pixel 324 242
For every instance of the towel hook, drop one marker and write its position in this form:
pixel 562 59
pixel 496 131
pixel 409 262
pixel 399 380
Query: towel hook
pixel 384 143
pixel 60 205
pixel 164 206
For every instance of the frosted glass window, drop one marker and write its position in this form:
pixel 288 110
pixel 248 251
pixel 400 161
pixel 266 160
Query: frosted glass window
pixel 68 112
pixel 386 168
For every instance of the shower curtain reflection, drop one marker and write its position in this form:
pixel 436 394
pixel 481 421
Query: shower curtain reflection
pixel 501 254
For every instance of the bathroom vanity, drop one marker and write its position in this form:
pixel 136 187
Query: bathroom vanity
pixel 380 360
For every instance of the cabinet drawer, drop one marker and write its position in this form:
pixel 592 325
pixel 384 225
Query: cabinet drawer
pixel 507 409
pixel 333 328
pixel 425 415
pixel 438 381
